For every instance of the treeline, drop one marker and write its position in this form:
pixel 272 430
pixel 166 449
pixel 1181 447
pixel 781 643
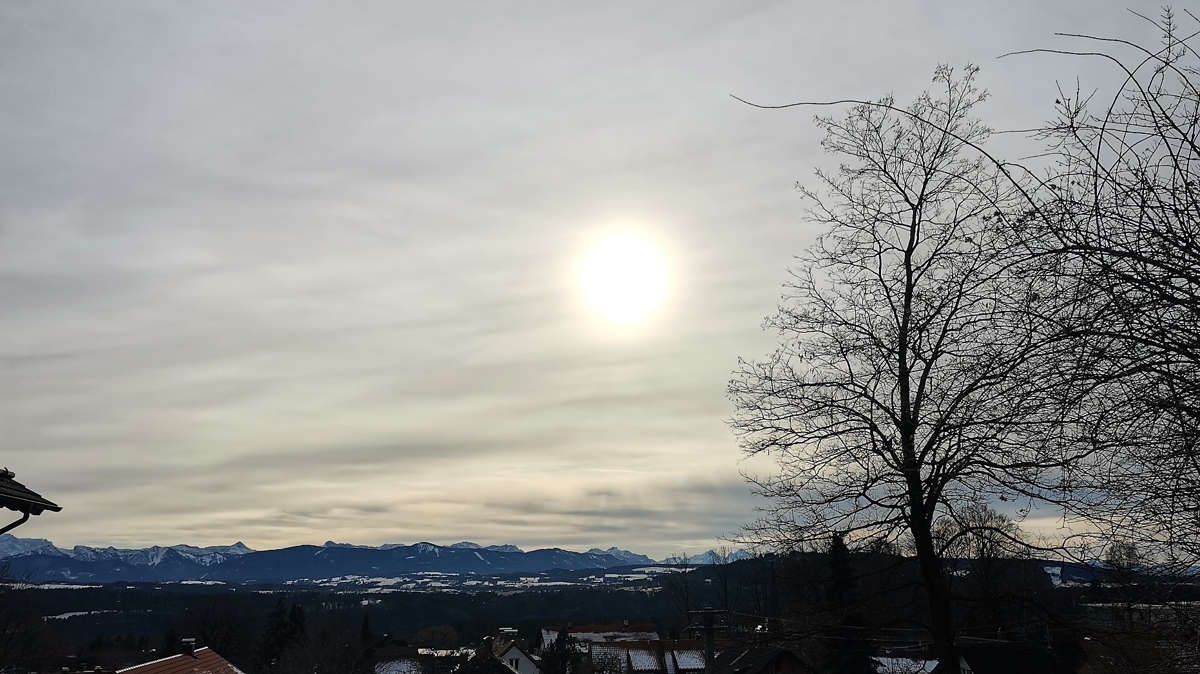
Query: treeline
pixel 117 625
pixel 795 595
pixel 836 607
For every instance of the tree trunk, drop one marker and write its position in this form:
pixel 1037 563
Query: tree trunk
pixel 939 600
pixel 933 579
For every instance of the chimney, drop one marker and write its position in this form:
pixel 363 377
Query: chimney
pixel 488 646
pixel 624 625
pixel 189 646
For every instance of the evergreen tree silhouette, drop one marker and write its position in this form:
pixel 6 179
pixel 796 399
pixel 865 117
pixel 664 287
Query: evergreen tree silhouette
pixel 297 629
pixel 365 632
pixel 274 637
pixel 844 646
pixel 170 642
pixel 561 657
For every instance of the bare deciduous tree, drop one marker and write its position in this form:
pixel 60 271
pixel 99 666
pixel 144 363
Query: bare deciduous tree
pixel 24 636
pixel 915 373
pixel 979 533
pixel 680 585
pixel 726 580
pixel 333 647
pixel 437 636
pixel 1121 212
pixel 226 624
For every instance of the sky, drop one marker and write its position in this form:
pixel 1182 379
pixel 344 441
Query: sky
pixel 293 272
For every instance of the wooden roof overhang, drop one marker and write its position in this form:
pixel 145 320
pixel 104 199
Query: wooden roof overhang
pixel 18 497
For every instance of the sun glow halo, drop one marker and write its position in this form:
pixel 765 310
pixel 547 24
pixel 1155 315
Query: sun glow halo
pixel 624 278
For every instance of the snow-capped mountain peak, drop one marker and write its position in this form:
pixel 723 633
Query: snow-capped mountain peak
pixel 11 546
pixel 623 555
pixel 237 562
pixel 710 557
pixel 504 548
pixel 332 544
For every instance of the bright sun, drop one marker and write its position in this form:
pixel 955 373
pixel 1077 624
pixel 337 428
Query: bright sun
pixel 624 278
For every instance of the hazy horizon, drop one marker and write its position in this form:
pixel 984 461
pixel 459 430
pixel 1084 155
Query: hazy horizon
pixel 325 543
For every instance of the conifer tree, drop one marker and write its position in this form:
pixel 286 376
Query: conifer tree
pixel 844 648
pixel 297 630
pixel 274 637
pixel 561 656
pixel 171 642
pixel 365 633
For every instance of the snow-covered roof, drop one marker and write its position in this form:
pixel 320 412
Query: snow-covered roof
pixel 689 659
pixel 891 665
pixel 643 660
pixel 673 656
pixel 401 666
pixel 603 633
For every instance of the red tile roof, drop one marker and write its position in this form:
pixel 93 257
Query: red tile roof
pixel 204 661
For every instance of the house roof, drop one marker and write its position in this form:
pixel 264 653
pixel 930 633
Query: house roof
pixel 411 665
pixel 502 647
pixel 484 663
pixel 18 497
pixel 202 661
pixel 889 664
pixel 604 633
pixel 751 659
pixel 673 656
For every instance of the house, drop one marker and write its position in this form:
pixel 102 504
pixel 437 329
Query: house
pixel 600 634
pixel 484 663
pixel 657 656
pixel 758 659
pixel 500 656
pixel 517 658
pixel 192 661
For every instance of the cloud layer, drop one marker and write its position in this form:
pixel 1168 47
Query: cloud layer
pixel 285 272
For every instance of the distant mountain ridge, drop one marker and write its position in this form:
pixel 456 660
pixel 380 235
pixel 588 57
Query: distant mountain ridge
pixel 713 557
pixel 468 545
pixel 624 555
pixel 11 546
pixel 39 559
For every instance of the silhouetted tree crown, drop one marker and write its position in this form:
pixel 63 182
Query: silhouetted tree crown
pixel 561 656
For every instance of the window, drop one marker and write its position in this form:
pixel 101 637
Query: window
pixel 515 663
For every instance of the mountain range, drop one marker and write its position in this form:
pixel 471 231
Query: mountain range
pixel 40 560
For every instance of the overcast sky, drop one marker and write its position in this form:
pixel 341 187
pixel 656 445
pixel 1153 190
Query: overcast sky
pixel 289 272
